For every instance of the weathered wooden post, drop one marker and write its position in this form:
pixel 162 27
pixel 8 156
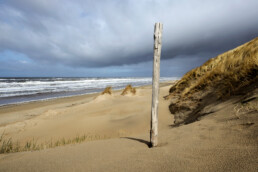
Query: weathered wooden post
pixel 155 84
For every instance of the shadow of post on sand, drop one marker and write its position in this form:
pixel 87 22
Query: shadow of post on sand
pixel 139 140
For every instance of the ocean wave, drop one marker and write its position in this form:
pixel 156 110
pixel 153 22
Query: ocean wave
pixel 13 87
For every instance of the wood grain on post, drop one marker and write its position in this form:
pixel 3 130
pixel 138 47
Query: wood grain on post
pixel 155 84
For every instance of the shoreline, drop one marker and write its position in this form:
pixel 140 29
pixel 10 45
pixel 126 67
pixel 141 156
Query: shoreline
pixel 15 91
pixel 46 99
pixel 75 95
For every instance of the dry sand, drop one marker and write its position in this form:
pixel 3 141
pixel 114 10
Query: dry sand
pixel 225 140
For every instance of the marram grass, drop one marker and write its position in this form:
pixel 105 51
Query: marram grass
pixel 7 145
pixel 226 74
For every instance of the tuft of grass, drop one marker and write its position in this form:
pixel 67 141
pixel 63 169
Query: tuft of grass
pixel 129 89
pixel 8 146
pixel 108 90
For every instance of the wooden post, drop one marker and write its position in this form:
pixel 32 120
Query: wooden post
pixel 155 84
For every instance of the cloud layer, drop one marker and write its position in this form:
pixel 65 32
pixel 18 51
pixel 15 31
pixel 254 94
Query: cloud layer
pixel 90 34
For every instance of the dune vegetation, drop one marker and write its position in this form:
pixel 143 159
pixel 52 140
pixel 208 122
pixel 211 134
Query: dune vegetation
pixel 108 90
pixel 7 145
pixel 230 73
pixel 128 90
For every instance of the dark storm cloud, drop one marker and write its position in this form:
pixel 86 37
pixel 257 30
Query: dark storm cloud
pixel 112 33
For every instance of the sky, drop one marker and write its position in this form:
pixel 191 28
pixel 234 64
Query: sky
pixel 114 38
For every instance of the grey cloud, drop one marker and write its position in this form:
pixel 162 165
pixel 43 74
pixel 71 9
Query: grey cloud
pixel 112 33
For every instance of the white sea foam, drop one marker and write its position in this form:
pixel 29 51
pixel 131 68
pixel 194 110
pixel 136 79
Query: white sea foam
pixel 13 87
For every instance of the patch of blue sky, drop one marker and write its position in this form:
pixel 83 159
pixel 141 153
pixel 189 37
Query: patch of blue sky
pixel 9 55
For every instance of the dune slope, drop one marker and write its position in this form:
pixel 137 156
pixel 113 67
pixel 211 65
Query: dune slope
pixel 231 73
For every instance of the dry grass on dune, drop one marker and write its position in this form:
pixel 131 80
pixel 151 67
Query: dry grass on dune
pixel 129 89
pixel 233 72
pixel 228 72
pixel 7 145
pixel 108 90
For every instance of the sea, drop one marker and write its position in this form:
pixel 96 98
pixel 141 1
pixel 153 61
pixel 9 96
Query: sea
pixel 21 90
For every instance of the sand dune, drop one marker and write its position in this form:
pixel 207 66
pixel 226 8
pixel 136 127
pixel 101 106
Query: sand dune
pixel 232 73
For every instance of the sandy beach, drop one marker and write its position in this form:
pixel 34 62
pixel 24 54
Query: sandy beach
pixel 97 116
pixel 117 136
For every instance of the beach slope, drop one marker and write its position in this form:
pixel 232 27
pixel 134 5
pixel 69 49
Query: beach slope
pixel 223 141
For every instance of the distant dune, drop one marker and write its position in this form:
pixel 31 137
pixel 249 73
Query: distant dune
pixel 229 74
